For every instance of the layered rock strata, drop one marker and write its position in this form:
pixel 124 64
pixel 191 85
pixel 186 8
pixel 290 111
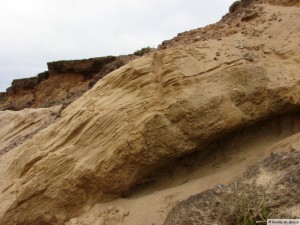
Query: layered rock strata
pixel 64 82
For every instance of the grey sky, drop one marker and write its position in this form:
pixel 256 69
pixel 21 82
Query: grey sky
pixel 34 32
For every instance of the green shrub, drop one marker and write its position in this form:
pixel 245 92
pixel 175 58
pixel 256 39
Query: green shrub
pixel 250 212
pixel 3 98
pixel 142 51
pixel 253 217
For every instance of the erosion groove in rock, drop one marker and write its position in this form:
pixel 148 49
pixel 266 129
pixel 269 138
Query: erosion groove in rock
pixel 150 112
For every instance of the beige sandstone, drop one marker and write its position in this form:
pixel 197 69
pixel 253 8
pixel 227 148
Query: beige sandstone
pixel 157 108
pixel 17 128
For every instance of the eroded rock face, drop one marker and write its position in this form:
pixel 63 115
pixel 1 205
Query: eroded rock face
pixel 151 111
pixel 285 2
pixel 246 3
pixel 233 23
pixel 234 6
pixel 64 82
pixel 18 127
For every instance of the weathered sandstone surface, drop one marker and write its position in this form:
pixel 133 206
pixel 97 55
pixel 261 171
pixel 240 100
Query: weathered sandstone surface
pixel 216 167
pixel 16 128
pixel 171 103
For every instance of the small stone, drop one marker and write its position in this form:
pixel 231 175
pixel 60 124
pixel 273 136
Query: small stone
pixel 198 38
pixel 248 56
pixel 250 16
pixel 222 186
pixel 240 46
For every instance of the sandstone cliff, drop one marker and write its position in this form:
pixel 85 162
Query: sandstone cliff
pixel 64 82
pixel 233 93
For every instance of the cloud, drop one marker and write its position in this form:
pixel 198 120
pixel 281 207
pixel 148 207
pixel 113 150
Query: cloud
pixel 34 32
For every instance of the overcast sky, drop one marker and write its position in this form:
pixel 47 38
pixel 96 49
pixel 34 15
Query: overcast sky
pixel 34 32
